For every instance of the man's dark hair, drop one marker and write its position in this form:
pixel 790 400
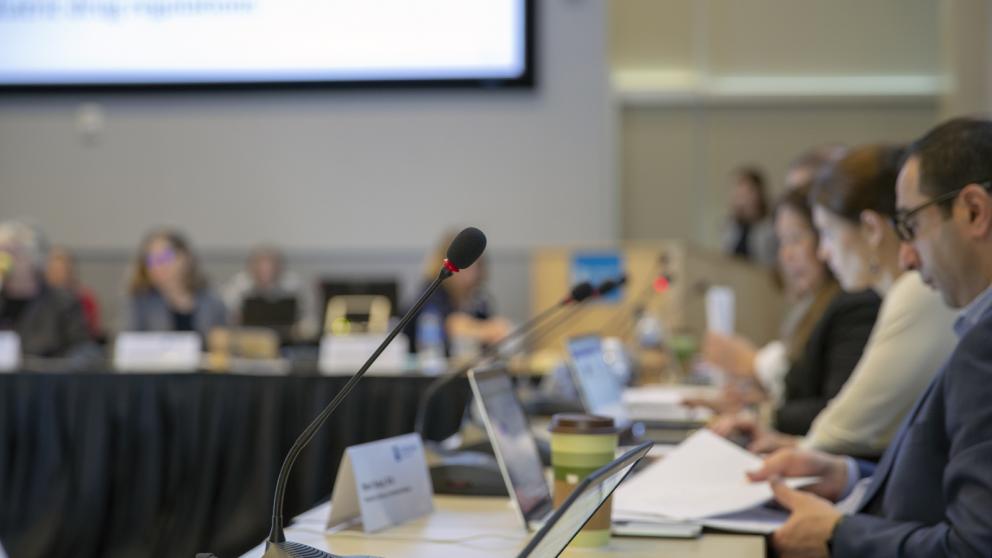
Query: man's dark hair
pixel 953 155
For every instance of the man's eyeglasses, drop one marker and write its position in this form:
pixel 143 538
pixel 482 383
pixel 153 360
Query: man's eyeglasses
pixel 904 223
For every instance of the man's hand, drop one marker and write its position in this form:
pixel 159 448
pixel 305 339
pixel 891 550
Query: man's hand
pixel 794 462
pixel 808 529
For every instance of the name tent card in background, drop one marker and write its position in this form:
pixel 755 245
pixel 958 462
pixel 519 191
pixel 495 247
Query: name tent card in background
pixel 345 354
pixel 157 352
pixel 10 351
pixel 383 483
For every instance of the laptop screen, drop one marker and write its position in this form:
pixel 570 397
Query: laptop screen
pixel 269 312
pixel 588 496
pixel 598 386
pixel 514 445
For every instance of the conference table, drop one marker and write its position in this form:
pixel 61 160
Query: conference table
pixel 477 527
pixel 115 465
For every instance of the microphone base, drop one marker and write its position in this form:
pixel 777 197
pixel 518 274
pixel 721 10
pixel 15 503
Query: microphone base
pixel 288 549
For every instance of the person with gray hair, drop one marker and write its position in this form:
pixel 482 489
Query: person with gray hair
pixel 48 320
pixel 265 276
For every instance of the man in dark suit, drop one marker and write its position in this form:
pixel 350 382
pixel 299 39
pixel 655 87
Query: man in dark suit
pixel 931 494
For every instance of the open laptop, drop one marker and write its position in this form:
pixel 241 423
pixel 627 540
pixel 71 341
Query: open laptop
pixel 519 461
pixel 602 393
pixel 598 386
pixel 279 314
pixel 590 494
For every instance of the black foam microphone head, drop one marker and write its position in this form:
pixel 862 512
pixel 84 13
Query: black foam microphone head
pixel 581 292
pixel 466 248
pixel 606 287
pixel 610 285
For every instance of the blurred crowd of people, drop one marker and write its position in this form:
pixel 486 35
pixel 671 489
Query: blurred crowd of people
pixel 56 317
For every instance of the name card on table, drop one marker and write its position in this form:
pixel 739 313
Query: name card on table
pixel 10 351
pixel 383 483
pixel 345 354
pixel 157 352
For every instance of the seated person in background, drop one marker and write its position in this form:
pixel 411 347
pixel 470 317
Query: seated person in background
pixel 267 278
pixel 60 272
pixel 168 292
pixel 931 494
pixel 836 339
pixel 750 233
pixel 49 320
pixel 854 203
pixel 461 304
pixel 809 288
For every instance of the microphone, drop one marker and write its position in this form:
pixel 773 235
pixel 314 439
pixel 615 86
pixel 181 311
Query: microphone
pixel 577 294
pixel 464 250
pixel 603 289
pixel 610 285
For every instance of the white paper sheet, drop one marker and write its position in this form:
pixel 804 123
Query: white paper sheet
pixel 704 477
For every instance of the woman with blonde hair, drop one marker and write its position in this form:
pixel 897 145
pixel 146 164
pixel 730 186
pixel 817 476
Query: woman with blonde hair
pixel 462 304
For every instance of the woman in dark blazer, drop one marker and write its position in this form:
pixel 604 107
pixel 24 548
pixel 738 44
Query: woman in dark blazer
pixel 833 350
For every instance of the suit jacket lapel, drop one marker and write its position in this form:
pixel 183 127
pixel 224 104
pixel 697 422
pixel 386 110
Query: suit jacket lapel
pixel 885 466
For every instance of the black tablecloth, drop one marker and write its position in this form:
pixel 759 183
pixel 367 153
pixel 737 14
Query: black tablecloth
pixel 173 464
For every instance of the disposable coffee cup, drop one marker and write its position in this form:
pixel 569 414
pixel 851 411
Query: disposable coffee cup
pixel 581 444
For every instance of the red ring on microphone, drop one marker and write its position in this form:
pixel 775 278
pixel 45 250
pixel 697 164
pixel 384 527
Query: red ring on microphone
pixel 450 266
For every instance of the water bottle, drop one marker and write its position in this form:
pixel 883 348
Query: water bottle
pixel 430 342
pixel 650 334
pixel 652 362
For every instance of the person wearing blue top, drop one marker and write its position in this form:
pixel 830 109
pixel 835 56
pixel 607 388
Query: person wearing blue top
pixel 462 305
pixel 931 494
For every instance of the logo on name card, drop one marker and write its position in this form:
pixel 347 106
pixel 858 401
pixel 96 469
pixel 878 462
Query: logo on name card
pixel 401 452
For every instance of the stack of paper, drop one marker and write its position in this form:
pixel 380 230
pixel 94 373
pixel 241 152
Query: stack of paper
pixel 703 480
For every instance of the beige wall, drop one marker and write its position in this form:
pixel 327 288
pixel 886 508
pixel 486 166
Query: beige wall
pixel 778 36
pixel 676 161
pixel 704 86
pixel 966 45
